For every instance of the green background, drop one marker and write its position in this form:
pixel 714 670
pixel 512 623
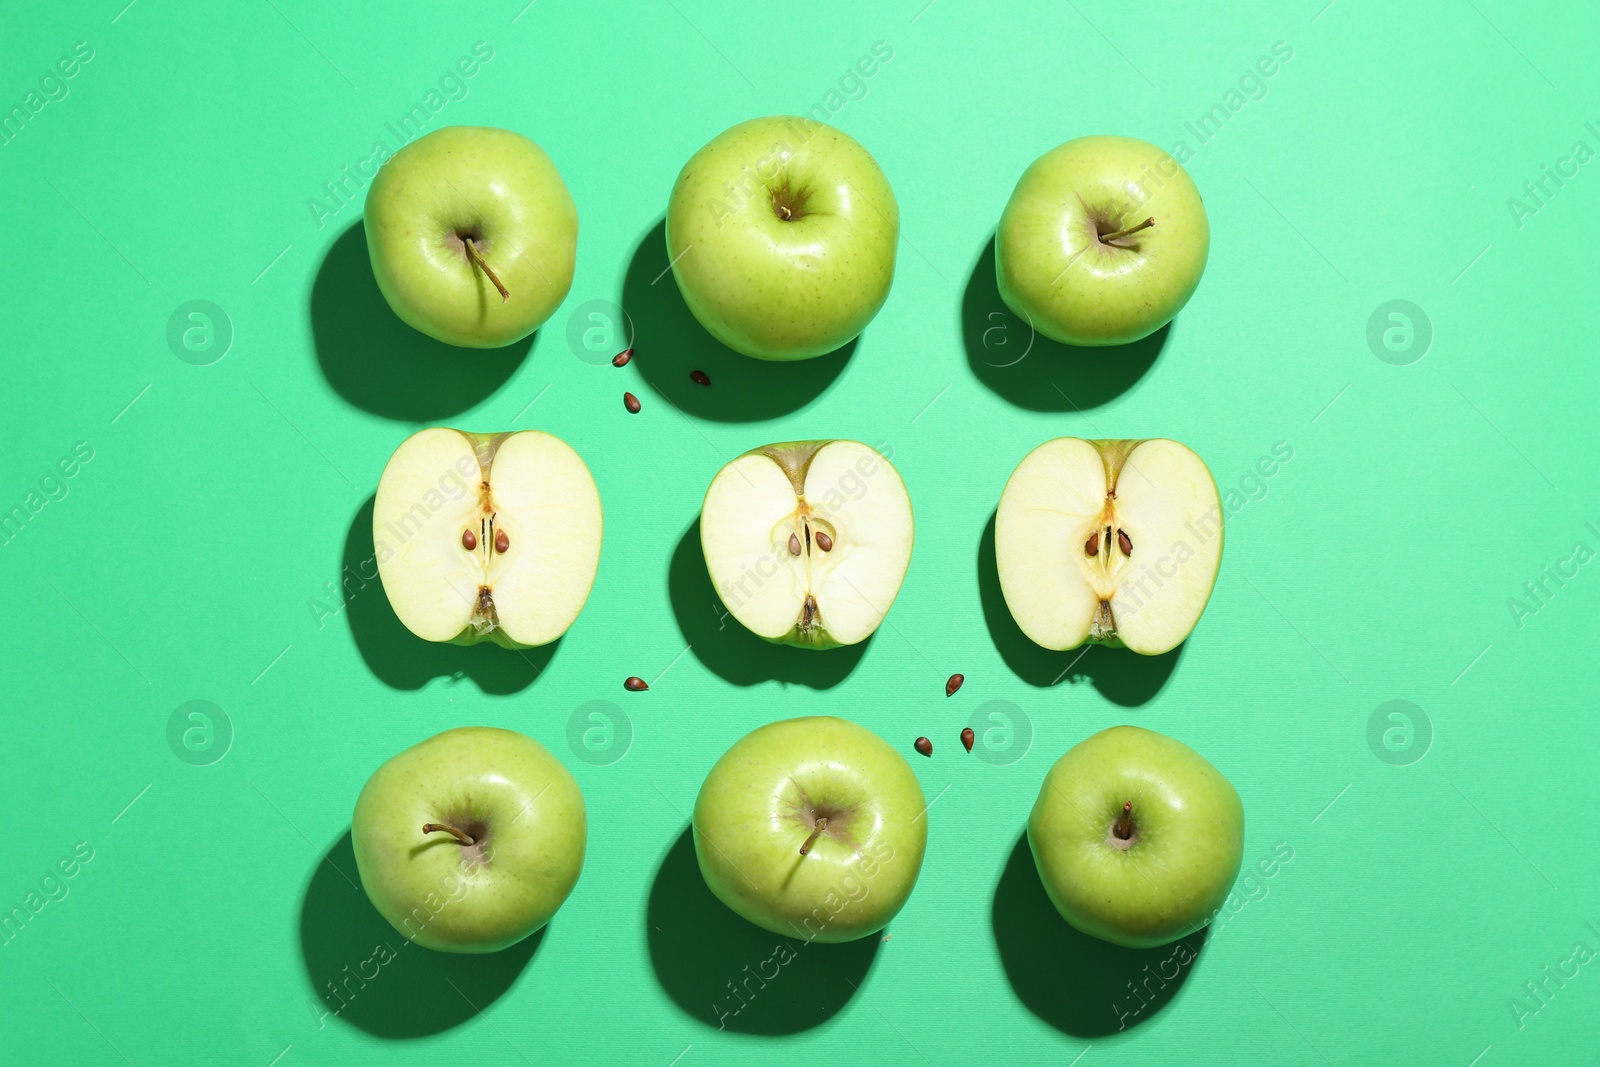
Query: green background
pixel 187 558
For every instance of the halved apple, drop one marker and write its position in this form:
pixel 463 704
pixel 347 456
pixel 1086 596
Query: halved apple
pixel 807 541
pixel 1110 541
pixel 487 537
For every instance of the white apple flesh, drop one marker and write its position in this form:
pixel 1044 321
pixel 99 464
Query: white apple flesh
pixel 487 537
pixel 1116 542
pixel 807 542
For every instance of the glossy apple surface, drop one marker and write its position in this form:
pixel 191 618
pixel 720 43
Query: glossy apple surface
pixel 782 235
pixel 825 781
pixel 494 189
pixel 1184 837
pixel 1058 263
pixel 519 806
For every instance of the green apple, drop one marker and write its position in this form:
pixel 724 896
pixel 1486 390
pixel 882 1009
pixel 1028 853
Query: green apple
pixel 782 233
pixel 812 828
pixel 470 841
pixel 1137 838
pixel 807 542
pixel 487 536
pixel 1103 241
pixel 1116 542
pixel 473 236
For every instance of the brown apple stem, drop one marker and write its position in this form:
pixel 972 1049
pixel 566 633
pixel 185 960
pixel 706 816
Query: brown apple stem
pixel 1145 225
pixel 472 254
pixel 1124 828
pixel 460 835
pixel 816 832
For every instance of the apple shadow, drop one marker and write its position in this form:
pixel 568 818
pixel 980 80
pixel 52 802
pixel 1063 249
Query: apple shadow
pixel 1079 984
pixel 1122 677
pixel 366 973
pixel 731 974
pixel 378 363
pixel 725 647
pixel 669 342
pixel 401 659
pixel 1034 372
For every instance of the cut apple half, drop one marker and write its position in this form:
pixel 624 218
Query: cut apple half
pixel 807 541
pixel 1116 542
pixel 487 537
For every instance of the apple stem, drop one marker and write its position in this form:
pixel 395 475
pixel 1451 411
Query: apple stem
pixel 816 832
pixel 1124 827
pixel 473 254
pixel 1145 225
pixel 460 835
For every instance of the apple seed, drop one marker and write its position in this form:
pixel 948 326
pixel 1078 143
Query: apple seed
pixel 923 745
pixel 621 358
pixel 635 684
pixel 794 545
pixel 700 377
pixel 501 541
pixel 951 686
pixel 1092 546
pixel 824 542
pixel 1124 544
pixel 630 402
pixel 967 737
pixel 469 540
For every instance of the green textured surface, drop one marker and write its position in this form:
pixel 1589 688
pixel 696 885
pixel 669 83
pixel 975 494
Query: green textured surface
pixel 1377 565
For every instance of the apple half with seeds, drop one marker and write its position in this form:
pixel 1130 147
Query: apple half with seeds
pixel 487 536
pixel 807 541
pixel 1116 542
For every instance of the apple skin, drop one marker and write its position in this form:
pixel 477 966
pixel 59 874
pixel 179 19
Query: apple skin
pixel 474 180
pixel 1054 272
pixel 1185 813
pixel 776 289
pixel 531 853
pixel 794 458
pixel 748 829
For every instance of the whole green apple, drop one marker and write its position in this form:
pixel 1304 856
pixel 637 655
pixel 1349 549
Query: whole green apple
pixel 1103 241
pixel 782 234
pixel 1137 838
pixel 470 841
pixel 813 828
pixel 473 235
